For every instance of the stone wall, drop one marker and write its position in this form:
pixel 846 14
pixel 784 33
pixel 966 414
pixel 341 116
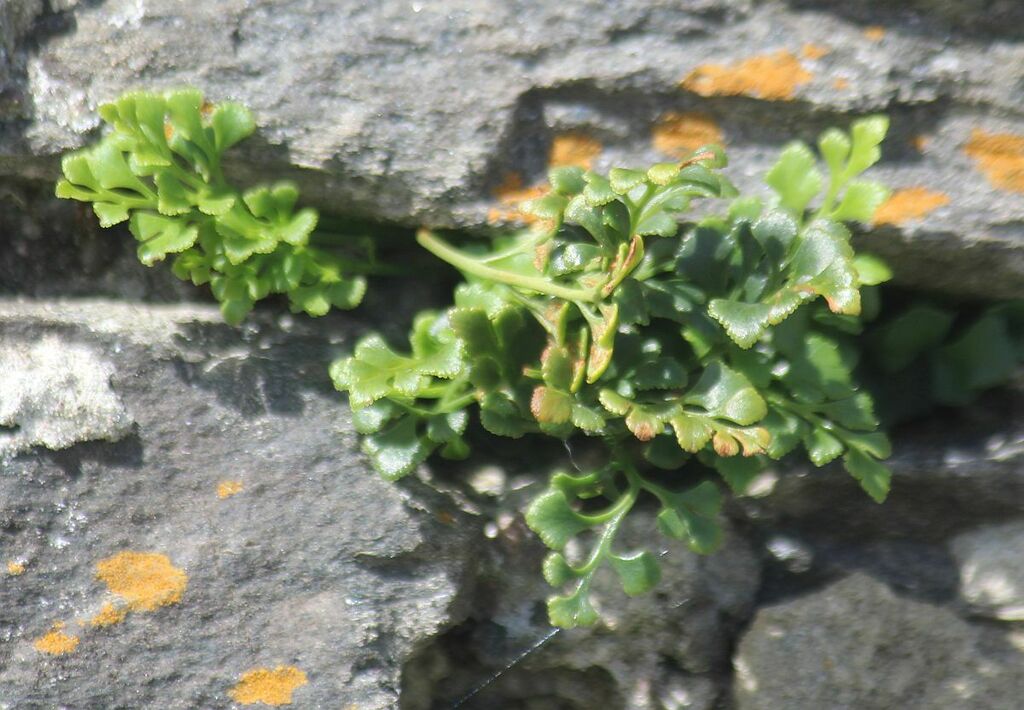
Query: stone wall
pixel 185 520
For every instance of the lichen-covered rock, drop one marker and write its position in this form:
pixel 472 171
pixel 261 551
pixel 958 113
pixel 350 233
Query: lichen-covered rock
pixel 55 393
pixel 418 112
pixel 856 646
pixel 233 548
pixel 991 562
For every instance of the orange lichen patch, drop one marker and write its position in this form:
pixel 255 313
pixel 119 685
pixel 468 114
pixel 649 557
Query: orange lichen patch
pixel 226 489
pixel 679 134
pixel 920 142
pixel 271 687
pixel 875 33
pixel 14 568
pixel 510 194
pixel 766 76
pixel 574 149
pixel 146 580
pixel 840 83
pixel 108 615
pixel 814 51
pixel 56 643
pixel 1000 156
pixel 909 204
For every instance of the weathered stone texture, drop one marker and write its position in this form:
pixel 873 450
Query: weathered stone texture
pixel 240 471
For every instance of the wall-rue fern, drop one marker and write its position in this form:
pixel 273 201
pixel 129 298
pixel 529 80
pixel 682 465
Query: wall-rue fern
pixel 160 169
pixel 692 351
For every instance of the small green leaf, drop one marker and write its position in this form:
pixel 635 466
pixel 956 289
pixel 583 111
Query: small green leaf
pixel 638 572
pixel 556 570
pixel 795 178
pixel 623 180
pixel 692 432
pixel 835 148
pixel 587 418
pixel 614 402
pixel 161 236
pixel 856 412
pixel 861 200
pixel 550 206
pixel 726 393
pixel 296 232
pixel 822 447
pixel 501 417
pixel 663 373
pixel 874 476
pixel 372 418
pixel 597 192
pixel 231 123
pixel 868 134
pixel 693 517
pixel 658 224
pixel 398 450
pixel 172 199
pixel 551 406
pixel 743 322
pixel 567 181
pixel 776 231
pixel 110 214
pixel 554 520
pixel 871 270
pixel 573 610
pixel 663 173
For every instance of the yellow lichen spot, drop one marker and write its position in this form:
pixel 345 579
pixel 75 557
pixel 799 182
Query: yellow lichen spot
pixel 226 489
pixel 271 687
pixel 875 33
pixel 920 142
pixel 909 204
pixel 679 134
pixel 145 580
pixel 510 194
pixel 1000 156
pixel 573 149
pixel 765 76
pixel 840 84
pixel 14 568
pixel 108 615
pixel 814 51
pixel 56 643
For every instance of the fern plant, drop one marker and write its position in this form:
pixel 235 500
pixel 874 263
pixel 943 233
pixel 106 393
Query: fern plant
pixel 160 169
pixel 693 352
pixel 685 350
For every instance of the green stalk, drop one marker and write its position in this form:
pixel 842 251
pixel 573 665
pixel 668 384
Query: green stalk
pixel 462 261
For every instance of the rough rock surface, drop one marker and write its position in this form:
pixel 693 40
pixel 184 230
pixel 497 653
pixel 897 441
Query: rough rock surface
pixel 55 394
pixel 416 111
pixel 278 547
pixel 856 645
pixel 668 649
pixel 992 570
